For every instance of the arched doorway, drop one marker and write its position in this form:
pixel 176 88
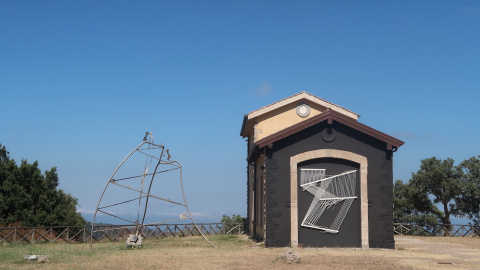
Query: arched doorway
pixel 328 153
pixel 327 222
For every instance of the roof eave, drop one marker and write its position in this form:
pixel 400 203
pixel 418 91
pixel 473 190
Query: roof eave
pixel 244 124
pixel 332 116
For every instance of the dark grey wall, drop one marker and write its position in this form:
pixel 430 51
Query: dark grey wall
pixel 380 180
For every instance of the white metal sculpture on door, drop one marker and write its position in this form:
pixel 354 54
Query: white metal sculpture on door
pixel 327 192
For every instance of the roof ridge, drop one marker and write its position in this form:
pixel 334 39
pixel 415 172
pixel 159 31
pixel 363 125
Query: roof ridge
pixel 297 94
pixel 330 103
pixel 275 102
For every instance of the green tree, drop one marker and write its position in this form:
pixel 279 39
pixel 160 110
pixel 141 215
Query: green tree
pixel 234 220
pixel 470 200
pixel 411 208
pixel 32 198
pixel 437 182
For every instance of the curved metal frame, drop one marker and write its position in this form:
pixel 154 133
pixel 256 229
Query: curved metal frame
pixel 176 166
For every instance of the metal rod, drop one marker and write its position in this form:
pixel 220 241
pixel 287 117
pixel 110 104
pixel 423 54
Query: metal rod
pixel 116 217
pixel 103 192
pixel 186 205
pixel 131 177
pixel 149 195
pixel 149 155
pixel 328 178
pixel 119 203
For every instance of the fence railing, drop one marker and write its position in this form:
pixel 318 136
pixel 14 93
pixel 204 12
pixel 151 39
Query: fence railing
pixel 84 234
pixel 437 230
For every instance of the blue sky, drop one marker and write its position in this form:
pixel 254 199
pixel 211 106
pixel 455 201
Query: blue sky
pixel 81 82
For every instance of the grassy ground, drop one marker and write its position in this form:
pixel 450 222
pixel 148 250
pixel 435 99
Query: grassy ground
pixel 238 252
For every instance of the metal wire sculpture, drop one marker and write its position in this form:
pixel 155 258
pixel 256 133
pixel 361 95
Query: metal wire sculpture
pixel 139 187
pixel 327 192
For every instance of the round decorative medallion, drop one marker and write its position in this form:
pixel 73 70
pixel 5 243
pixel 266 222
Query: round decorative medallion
pixel 303 110
pixel 329 134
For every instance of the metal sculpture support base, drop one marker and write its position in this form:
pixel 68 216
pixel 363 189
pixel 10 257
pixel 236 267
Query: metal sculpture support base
pixel 133 241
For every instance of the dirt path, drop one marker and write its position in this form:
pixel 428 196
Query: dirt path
pixel 439 252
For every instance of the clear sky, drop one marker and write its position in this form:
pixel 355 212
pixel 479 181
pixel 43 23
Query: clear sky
pixel 81 82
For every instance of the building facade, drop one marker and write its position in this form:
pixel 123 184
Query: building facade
pixel 318 177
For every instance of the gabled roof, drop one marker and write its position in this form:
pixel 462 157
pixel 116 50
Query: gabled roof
pixel 331 115
pixel 297 97
pixel 249 118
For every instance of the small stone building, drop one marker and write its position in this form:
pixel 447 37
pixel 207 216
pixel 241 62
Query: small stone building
pixel 318 177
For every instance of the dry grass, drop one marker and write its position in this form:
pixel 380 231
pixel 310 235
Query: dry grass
pixel 237 252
